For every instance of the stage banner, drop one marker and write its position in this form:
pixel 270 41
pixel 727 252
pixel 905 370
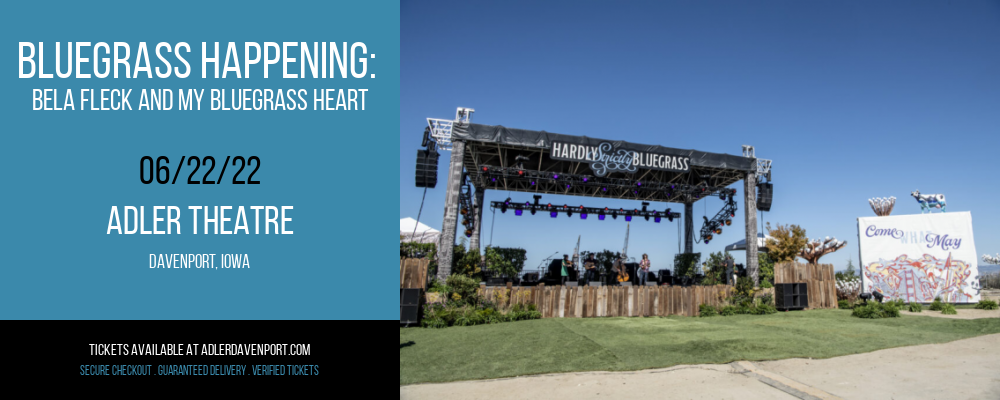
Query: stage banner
pixel 920 257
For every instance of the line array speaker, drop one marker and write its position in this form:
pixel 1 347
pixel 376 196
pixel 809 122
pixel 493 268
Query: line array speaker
pixel 765 191
pixel 427 168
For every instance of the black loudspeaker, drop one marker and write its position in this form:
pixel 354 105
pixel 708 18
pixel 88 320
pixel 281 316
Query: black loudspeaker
pixel 409 306
pixel 765 191
pixel 496 282
pixel 791 296
pixel 427 168
pixel 663 276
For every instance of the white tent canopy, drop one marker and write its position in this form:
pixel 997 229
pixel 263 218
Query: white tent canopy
pixel 742 244
pixel 423 233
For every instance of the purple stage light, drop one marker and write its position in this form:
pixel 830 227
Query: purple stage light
pixel 600 217
pixel 628 218
pixel 518 212
pixel 556 176
pixel 583 216
pixel 656 219
pixel 585 179
pixel 553 214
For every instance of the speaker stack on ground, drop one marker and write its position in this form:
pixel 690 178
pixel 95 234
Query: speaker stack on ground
pixel 663 277
pixel 765 191
pixel 427 168
pixel 409 306
pixel 791 296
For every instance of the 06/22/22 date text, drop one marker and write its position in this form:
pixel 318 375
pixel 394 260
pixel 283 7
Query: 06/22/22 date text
pixel 198 169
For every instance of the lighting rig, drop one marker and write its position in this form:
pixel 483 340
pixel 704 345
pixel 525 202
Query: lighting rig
pixel 723 218
pixel 467 209
pixel 584 212
pixel 674 191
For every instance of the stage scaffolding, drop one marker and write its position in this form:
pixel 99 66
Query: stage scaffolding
pixel 500 158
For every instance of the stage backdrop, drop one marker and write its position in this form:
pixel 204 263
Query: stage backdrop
pixel 919 257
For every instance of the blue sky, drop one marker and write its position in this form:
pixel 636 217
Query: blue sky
pixel 851 100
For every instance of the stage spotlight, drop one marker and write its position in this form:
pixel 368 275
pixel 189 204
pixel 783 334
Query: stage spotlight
pixel 493 180
pixel 638 183
pixel 729 222
pixel 553 214
pixel 670 217
pixel 614 215
pixel 567 186
pixel 722 196
pixel 485 169
pixel 600 217
pixel 468 233
pixel 718 231
pixel 569 213
pixel 656 219
pixel 709 237
pixel 604 189
pixel 465 211
pixel 555 176
pixel 520 173
pixel 583 216
pixel 585 179
pixel 532 210
pixel 518 212
pixel 628 218
pixel 644 204
pixel 532 183
pixel 647 217
pixel 503 208
pixel 706 242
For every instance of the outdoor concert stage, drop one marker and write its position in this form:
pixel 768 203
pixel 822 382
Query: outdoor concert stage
pixel 487 157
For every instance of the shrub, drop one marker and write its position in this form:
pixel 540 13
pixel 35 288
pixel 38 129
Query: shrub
pixel 686 264
pixel 916 307
pixel 465 287
pixel 844 304
pixel 987 305
pixel 766 284
pixel 874 310
pixel 937 305
pixel 767 299
pixel 438 287
pixel 948 309
pixel 507 262
pixel 705 310
pixel 744 287
pixel 763 309
pixel 900 303
pixel 727 311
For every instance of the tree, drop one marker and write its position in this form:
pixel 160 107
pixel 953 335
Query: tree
pixel 766 270
pixel 850 267
pixel 786 242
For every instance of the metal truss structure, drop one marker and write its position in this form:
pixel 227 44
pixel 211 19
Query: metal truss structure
pixel 584 212
pixel 440 129
pixel 491 169
pixel 467 209
pixel 723 218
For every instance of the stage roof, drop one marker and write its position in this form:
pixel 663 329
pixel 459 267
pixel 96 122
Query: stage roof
pixel 501 158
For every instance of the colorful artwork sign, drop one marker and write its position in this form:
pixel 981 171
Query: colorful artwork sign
pixel 919 257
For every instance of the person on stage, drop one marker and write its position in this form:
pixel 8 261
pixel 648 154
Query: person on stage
pixel 643 269
pixel 566 265
pixel 591 266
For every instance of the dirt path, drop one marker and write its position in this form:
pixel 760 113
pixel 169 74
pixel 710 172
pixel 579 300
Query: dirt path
pixel 964 369
pixel 962 314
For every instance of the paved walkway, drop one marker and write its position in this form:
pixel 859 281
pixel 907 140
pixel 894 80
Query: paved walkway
pixel 964 369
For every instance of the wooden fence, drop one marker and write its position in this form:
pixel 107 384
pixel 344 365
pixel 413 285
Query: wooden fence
pixel 615 301
pixel 820 279
pixel 413 273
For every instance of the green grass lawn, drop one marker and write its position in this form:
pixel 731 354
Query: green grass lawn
pixel 622 344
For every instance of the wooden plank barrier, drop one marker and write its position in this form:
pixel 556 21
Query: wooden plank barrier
pixel 820 278
pixel 413 273
pixel 596 302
